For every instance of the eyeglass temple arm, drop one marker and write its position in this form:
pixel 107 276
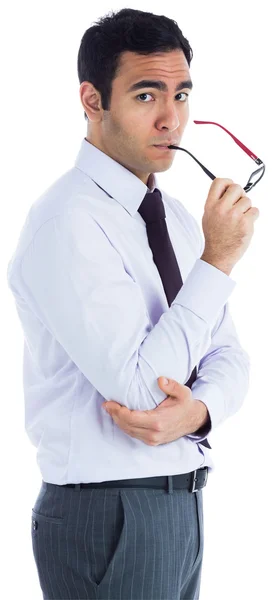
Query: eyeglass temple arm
pixel 249 185
pixel 199 163
pixel 249 152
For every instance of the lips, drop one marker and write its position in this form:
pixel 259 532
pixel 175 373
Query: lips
pixel 162 148
pixel 166 144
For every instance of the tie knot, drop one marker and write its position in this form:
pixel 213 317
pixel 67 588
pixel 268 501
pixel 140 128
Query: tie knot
pixel 152 209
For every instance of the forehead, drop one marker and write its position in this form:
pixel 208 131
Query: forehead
pixel 160 64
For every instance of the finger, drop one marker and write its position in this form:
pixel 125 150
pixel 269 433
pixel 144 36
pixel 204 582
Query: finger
pixel 113 408
pixel 137 433
pixel 131 429
pixel 135 419
pixel 174 388
pixel 110 405
pixel 217 190
pixel 142 419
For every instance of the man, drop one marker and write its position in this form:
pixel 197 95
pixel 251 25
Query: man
pixel 120 510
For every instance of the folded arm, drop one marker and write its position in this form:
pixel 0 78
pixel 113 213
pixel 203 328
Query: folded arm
pixel 92 306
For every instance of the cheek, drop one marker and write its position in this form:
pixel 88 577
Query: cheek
pixel 126 124
pixel 133 122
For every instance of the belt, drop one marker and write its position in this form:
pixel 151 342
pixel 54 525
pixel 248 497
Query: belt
pixel 193 481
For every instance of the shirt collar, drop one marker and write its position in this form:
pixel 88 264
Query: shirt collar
pixel 117 181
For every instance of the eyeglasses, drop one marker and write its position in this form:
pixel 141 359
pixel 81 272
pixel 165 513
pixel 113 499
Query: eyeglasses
pixel 255 177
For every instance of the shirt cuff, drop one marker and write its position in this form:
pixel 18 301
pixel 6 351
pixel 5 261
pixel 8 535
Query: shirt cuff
pixel 214 399
pixel 205 291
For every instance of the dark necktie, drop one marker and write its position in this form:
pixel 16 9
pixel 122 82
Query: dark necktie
pixel 153 213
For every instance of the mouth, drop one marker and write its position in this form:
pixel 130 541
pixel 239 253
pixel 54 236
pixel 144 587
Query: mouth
pixel 164 149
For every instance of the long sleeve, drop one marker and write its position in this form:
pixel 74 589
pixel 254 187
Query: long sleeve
pixel 223 376
pixel 76 282
pixel 223 371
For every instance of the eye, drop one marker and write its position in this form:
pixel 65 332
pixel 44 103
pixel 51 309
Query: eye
pixel 184 94
pixel 146 94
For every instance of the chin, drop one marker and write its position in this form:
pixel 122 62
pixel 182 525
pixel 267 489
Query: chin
pixel 160 168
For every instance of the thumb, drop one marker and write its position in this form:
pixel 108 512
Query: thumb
pixel 108 405
pixel 173 388
pixel 164 382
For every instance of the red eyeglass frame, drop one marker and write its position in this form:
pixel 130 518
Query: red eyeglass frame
pixel 250 184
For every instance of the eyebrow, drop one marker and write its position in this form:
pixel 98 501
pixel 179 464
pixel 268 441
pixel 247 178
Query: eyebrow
pixel 159 85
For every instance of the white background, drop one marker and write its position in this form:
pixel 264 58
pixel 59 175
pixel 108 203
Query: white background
pixel 42 127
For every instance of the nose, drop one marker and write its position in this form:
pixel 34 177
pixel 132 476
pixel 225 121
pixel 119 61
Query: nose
pixel 170 117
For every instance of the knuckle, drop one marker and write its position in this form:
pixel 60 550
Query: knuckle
pixel 220 180
pixel 237 188
pixel 236 212
pixel 221 209
pixel 153 440
pixel 245 229
pixel 158 426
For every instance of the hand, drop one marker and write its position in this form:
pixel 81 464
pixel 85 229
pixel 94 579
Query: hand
pixel 178 415
pixel 228 224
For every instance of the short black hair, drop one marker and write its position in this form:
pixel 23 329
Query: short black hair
pixel 126 30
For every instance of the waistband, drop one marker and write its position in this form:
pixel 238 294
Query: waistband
pixel 193 481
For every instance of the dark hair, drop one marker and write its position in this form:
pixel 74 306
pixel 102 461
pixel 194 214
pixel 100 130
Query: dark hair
pixel 126 30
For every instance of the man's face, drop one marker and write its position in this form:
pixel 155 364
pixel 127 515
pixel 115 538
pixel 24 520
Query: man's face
pixel 142 117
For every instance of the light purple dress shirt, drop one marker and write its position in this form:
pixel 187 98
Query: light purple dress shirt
pixel 97 325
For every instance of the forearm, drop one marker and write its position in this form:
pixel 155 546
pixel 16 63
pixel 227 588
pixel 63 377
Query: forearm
pixel 223 376
pixel 201 421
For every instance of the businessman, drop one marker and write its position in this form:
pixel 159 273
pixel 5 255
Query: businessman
pixel 115 290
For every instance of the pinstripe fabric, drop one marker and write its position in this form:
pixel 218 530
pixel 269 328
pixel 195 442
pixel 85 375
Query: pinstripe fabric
pixel 118 543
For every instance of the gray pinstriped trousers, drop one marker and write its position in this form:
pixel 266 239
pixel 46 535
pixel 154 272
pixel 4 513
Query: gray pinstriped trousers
pixel 118 543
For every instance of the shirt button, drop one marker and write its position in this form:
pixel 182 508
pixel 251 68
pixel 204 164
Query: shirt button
pixel 35 524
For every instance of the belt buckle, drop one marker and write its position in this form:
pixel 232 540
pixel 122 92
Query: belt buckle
pixel 193 487
pixel 194 478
